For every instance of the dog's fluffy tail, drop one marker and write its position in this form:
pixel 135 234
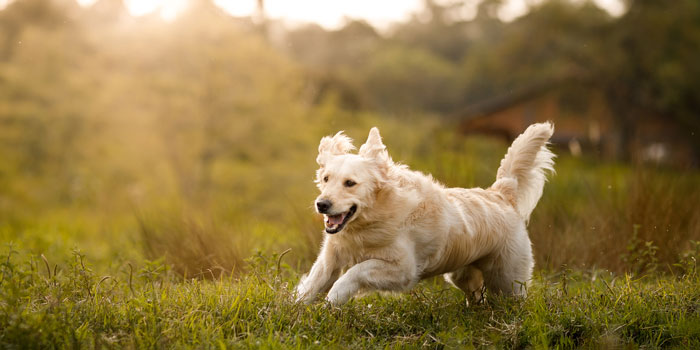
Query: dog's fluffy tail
pixel 522 173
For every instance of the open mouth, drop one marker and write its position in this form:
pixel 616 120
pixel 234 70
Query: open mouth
pixel 335 223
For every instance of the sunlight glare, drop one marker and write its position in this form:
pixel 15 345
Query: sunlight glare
pixel 171 9
pixel 333 14
pixel 238 8
pixel 513 9
pixel 167 9
pixel 86 3
pixel 329 14
pixel 614 7
pixel 142 7
pixel 4 3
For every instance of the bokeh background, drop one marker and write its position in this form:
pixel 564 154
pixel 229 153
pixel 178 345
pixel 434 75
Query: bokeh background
pixel 187 130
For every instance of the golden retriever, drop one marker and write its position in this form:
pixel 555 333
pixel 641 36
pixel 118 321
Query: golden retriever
pixel 391 227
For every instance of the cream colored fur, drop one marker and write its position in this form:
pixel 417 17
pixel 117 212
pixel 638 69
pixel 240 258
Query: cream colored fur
pixel 408 227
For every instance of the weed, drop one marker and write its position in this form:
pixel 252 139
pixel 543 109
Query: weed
pixel 640 256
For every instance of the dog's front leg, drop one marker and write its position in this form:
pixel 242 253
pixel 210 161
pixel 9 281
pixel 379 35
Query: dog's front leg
pixel 373 274
pixel 323 273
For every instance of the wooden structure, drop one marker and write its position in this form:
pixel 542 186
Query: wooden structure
pixel 584 123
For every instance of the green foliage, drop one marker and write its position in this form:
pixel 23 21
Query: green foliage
pixel 641 256
pixel 401 79
pixel 643 61
pixel 688 263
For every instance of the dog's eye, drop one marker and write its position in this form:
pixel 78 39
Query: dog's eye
pixel 349 183
pixel 325 178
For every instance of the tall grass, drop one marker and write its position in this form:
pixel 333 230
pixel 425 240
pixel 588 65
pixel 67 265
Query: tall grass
pixel 193 248
pixel 197 243
pixel 622 218
pixel 146 290
pixel 616 217
pixel 619 217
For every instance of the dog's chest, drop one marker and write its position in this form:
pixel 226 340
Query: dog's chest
pixel 371 244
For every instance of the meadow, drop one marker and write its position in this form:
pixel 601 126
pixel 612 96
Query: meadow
pixel 616 250
pixel 156 177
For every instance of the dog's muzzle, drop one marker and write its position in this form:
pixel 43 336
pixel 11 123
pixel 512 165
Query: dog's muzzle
pixel 335 223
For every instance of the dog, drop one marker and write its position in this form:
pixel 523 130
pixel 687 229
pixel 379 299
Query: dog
pixel 391 226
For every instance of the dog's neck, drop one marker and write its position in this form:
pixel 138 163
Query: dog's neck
pixel 382 212
pixel 376 226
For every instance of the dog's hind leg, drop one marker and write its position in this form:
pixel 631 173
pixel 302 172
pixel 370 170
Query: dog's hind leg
pixel 470 280
pixel 509 272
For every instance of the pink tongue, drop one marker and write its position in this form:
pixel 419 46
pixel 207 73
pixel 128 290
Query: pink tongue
pixel 336 219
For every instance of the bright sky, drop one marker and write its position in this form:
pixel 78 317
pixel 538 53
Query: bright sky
pixel 328 13
pixel 331 13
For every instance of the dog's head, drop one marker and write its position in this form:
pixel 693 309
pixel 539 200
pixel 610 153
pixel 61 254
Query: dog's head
pixel 349 182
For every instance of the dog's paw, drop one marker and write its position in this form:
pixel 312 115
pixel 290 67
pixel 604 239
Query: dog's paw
pixel 303 294
pixel 334 300
pixel 338 295
pixel 302 299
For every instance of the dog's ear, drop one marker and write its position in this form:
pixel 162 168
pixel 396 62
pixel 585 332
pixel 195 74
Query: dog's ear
pixel 338 144
pixel 373 147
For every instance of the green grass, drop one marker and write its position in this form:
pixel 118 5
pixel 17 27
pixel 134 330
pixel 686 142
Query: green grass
pixel 68 305
pixel 596 225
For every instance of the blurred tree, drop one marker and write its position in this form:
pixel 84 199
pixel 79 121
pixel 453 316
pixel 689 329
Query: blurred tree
pixel 643 61
pixel 103 106
pixel 222 92
pixel 103 101
pixel 26 13
pixel 43 126
pixel 653 68
pixel 555 41
pixel 398 78
pixel 332 60
pixel 437 29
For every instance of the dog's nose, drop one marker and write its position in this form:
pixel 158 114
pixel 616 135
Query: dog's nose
pixel 323 205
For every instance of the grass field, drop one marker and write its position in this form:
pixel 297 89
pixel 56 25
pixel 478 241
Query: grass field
pixel 615 248
pixel 46 304
pixel 156 177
